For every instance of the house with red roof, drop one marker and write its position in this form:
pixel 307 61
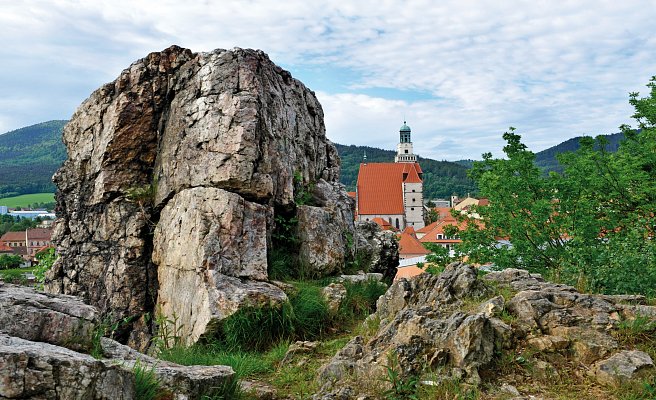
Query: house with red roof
pixel 409 245
pixel 26 243
pixel 392 191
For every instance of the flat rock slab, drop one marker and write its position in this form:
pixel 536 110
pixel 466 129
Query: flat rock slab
pixel 623 366
pixel 31 370
pixel 43 317
pixel 185 382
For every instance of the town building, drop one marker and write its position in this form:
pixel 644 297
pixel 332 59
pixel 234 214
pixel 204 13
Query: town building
pixel 26 243
pixel 392 191
pixel 410 246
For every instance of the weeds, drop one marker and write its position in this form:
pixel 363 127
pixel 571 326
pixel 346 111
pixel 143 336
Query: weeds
pixel 146 384
pixel 402 387
pixel 169 331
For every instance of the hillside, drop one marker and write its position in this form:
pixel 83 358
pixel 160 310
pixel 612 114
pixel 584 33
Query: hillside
pixel 441 178
pixel 546 159
pixel 28 158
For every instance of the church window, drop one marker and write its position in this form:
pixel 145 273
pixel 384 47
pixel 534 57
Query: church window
pixel 406 152
pixel 412 208
pixel 397 224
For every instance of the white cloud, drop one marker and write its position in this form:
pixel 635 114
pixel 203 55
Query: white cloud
pixel 553 70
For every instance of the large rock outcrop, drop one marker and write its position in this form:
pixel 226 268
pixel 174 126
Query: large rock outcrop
pixel 174 174
pixel 458 326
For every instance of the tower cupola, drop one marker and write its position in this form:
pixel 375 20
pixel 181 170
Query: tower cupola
pixel 404 148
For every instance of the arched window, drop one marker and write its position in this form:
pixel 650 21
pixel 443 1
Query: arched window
pixel 397 224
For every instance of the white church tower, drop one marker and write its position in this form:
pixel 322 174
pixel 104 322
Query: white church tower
pixel 413 185
pixel 404 148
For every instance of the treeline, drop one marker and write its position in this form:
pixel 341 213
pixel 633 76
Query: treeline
pixel 441 178
pixel 29 157
pixel 10 223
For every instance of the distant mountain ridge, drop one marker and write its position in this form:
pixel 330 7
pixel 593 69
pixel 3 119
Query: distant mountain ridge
pixel 29 157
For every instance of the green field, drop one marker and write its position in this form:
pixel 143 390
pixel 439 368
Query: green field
pixel 27 199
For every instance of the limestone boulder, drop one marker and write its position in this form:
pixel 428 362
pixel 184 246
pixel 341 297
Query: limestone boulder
pixel 57 319
pixel 376 250
pixel 173 127
pixel 623 366
pixel 32 370
pixel 183 382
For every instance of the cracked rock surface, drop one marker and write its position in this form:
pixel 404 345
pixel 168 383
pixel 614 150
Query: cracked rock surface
pixel 173 176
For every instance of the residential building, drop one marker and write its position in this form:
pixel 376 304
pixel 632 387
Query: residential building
pixel 27 243
pixel 392 191
pixel 409 245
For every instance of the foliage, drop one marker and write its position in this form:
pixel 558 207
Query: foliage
pixel 439 257
pixel 10 261
pixel 592 225
pixel 169 331
pixel 258 328
pixel 45 259
pixel 304 317
pixel 16 276
pixel 360 300
pixel 29 157
pixel 146 384
pixel 402 387
pixel 9 223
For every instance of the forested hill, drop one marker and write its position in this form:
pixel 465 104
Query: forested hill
pixel 546 159
pixel 29 157
pixel 441 178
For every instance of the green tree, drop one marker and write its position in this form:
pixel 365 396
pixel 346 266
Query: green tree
pixel 9 261
pixel 591 225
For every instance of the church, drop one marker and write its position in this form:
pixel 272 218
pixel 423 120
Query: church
pixel 392 191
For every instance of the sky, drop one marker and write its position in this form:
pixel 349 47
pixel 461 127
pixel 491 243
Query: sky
pixel 459 72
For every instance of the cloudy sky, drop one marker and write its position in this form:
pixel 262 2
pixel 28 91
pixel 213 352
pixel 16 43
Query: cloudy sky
pixel 460 72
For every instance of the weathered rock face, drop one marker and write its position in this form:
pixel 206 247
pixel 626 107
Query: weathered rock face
pixel 173 174
pixel 57 319
pixel 461 325
pixel 31 370
pixel 377 250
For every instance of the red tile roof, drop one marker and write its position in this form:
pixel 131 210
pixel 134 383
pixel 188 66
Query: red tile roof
pixel 412 176
pixel 13 236
pixel 5 249
pixel 385 225
pixel 408 272
pixel 351 194
pixel 39 233
pixel 380 187
pixel 428 227
pixel 408 244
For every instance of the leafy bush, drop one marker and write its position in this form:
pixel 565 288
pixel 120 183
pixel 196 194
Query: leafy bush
pixel 10 261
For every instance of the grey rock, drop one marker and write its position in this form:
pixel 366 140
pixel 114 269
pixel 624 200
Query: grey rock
pixel 623 366
pixel 492 307
pixel 334 294
pixel 210 252
pixel 43 371
pixel 376 250
pixel 177 122
pixel 36 316
pixel 184 382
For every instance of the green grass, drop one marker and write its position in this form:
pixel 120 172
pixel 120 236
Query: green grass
pixel 27 199
pixel 14 275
